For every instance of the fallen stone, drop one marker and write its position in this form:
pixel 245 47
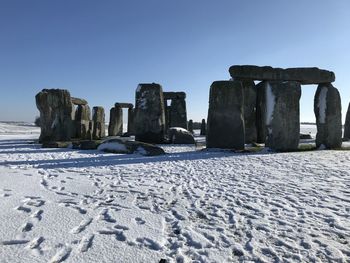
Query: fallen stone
pixel 56 144
pixel 130 147
pixel 225 127
pixel 89 145
pixel 149 117
pixel 283 115
pixel 178 135
pixel 77 101
pixel 302 75
pixel 327 108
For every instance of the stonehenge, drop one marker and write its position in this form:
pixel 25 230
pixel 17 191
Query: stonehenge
pixel 225 125
pixel 257 105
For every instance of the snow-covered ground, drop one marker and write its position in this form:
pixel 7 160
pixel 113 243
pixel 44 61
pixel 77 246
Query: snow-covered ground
pixel 188 206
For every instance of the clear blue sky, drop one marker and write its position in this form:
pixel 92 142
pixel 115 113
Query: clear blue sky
pixel 101 50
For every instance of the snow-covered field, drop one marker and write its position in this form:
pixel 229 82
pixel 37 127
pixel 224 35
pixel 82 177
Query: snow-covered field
pixel 188 206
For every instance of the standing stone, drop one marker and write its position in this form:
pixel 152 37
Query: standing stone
pixel 203 128
pixel 282 115
pixel 250 98
pixel 190 126
pixel 115 127
pixel 327 108
pixel 347 125
pixel 131 128
pixel 261 112
pixel 178 113
pixel 56 120
pixel 82 120
pixel 149 114
pixel 90 131
pixel 98 118
pixel 225 127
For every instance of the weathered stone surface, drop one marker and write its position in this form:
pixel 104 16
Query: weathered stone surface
pixel 327 108
pixel 131 128
pixel 190 126
pixel 82 120
pixel 178 135
pixel 250 99
pixel 78 101
pixel 56 119
pixel 115 127
pixel 225 126
pixel 261 112
pixel 129 147
pixel 149 118
pixel 302 75
pixel 203 128
pixel 89 144
pixel 174 95
pixel 123 105
pixel 347 124
pixel 283 115
pixel 178 113
pixel 56 144
pixel 98 118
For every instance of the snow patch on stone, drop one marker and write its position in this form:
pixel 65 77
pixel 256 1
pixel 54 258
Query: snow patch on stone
pixel 322 104
pixel 270 104
pixel 112 146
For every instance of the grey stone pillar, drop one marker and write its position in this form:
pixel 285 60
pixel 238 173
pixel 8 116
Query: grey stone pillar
pixel 178 113
pixel 190 126
pixel 327 108
pixel 250 96
pixel 203 128
pixel 82 120
pixel 56 120
pixel 98 118
pixel 131 129
pixel 115 127
pixel 149 114
pixel 283 115
pixel 261 112
pixel 225 126
pixel 347 125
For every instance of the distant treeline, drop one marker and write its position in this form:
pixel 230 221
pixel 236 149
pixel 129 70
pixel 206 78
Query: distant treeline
pixel 310 123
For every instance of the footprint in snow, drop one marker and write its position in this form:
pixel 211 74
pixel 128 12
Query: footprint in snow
pixel 140 221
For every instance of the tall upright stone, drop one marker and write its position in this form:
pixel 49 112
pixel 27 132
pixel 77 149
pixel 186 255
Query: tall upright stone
pixel 131 128
pixel 261 112
pixel 225 125
pixel 190 126
pixel 327 108
pixel 149 119
pixel 98 118
pixel 115 126
pixel 56 120
pixel 82 120
pixel 250 98
pixel 283 115
pixel 203 131
pixel 178 113
pixel 347 125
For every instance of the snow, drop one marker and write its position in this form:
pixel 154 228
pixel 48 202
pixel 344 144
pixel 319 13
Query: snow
pixel 112 146
pixel 65 205
pixel 270 104
pixel 322 104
